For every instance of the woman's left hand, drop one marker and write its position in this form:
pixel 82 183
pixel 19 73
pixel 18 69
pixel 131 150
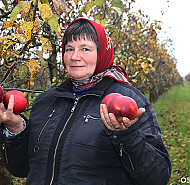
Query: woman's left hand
pixel 111 122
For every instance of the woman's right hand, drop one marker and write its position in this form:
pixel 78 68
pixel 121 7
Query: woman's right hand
pixel 14 122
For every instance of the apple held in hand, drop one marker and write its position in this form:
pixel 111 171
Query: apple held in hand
pixel 1 94
pixel 107 99
pixel 20 103
pixel 121 106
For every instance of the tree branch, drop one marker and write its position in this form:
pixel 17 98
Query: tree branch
pixel 24 90
pixel 5 15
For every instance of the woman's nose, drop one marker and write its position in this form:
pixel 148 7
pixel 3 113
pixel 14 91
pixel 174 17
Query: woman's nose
pixel 75 55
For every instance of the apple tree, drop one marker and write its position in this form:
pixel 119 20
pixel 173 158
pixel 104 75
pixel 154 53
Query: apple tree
pixel 187 77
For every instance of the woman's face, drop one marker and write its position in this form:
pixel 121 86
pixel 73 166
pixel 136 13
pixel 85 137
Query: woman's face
pixel 80 58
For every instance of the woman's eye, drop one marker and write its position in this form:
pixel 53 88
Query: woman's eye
pixel 85 49
pixel 69 49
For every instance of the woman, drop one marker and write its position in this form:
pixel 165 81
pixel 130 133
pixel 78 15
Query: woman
pixel 71 139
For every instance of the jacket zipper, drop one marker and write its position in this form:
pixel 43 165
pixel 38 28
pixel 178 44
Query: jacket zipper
pixel 55 151
pixel 121 154
pixel 4 148
pixel 89 117
pixel 49 117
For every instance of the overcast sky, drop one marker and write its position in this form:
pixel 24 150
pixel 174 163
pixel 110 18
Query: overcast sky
pixel 176 25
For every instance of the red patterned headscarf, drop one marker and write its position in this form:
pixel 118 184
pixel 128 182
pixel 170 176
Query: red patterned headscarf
pixel 105 58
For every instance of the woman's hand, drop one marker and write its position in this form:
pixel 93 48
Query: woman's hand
pixel 14 122
pixel 111 122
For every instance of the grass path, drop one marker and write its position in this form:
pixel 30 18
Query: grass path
pixel 173 112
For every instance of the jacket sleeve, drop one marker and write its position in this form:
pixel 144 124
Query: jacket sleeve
pixel 14 152
pixel 141 149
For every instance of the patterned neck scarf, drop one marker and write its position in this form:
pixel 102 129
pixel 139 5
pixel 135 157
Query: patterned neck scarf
pixel 105 59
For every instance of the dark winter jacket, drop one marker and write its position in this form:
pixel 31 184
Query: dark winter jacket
pixel 66 142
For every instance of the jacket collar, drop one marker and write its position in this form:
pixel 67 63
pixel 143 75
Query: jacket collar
pixel 66 88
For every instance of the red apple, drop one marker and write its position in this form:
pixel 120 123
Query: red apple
pixel 1 94
pixel 109 98
pixel 20 103
pixel 123 106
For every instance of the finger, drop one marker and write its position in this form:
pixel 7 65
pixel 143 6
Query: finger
pixel 140 111
pixel 101 113
pixel 10 104
pixel 127 123
pixel 110 120
pixel 116 124
pixel 2 108
pixel 104 116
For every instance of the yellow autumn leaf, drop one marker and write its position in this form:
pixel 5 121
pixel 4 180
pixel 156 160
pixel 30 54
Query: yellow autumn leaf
pixel 29 45
pixel 54 78
pixel 145 67
pixel 16 53
pixel 21 38
pixel 25 9
pixel 45 11
pixel 46 45
pixel 6 45
pixel 6 25
pixel 34 67
pixel 26 29
pixel 104 23
pixel 150 60
pixel 59 6
pixel 2 40
pixel 58 31
pixel 134 80
pixel 142 76
pixel 136 73
pixel 153 69
pixel 9 55
pixel 40 54
pixel 29 17
pixel 45 2
pixel 37 24
pixel 139 61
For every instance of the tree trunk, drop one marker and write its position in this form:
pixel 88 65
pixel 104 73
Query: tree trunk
pixel 5 176
pixel 52 63
pixel 153 96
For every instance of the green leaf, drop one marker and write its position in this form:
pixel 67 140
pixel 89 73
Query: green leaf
pixel 43 62
pixel 22 71
pixel 53 23
pixel 117 9
pixel 17 10
pixel 112 28
pixel 119 4
pixel 97 18
pixel 93 3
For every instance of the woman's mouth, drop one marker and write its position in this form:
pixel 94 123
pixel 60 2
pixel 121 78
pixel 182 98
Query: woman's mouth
pixel 77 67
